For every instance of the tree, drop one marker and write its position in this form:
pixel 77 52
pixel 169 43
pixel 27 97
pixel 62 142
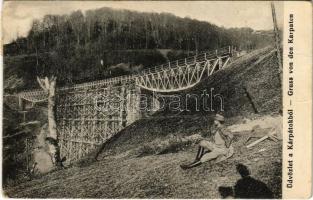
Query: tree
pixel 49 86
pixel 47 80
pixel 82 40
pixel 77 23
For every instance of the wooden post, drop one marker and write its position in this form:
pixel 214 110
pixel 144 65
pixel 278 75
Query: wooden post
pixel 220 63
pixel 82 124
pixel 121 107
pixel 70 143
pixel 24 117
pixel 27 152
pixel 93 127
pixel 257 141
pixel 209 67
pixel 20 103
pixel 277 41
pixel 250 100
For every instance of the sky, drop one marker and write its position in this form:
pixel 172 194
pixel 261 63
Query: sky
pixel 18 15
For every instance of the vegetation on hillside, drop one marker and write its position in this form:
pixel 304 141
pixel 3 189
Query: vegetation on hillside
pixel 82 46
pixel 135 164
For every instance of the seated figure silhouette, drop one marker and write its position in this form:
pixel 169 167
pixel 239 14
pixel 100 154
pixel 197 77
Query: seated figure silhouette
pixel 248 187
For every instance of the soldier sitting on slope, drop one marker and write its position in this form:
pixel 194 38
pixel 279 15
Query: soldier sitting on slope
pixel 219 147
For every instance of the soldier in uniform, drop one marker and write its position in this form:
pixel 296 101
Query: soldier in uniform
pixel 219 144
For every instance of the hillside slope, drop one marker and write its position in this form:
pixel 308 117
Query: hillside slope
pixel 63 45
pixel 155 176
pixel 257 71
pixel 130 168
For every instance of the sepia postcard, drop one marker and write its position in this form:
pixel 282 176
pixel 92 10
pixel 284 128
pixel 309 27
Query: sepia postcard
pixel 156 99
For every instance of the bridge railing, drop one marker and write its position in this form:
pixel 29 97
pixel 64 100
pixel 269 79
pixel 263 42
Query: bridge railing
pixel 203 56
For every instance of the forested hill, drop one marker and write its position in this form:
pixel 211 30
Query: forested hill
pixel 88 46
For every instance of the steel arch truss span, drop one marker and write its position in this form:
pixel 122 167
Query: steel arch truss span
pixel 34 96
pixel 180 77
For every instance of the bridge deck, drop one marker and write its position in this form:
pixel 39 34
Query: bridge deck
pixel 39 95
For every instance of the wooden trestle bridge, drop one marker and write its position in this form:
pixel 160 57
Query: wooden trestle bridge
pixel 90 113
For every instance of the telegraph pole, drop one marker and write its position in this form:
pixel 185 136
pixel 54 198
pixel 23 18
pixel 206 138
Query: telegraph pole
pixel 279 55
pixel 277 40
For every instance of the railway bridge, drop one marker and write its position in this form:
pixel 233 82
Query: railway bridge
pixel 88 114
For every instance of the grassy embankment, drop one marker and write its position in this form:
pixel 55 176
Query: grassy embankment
pixel 132 167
